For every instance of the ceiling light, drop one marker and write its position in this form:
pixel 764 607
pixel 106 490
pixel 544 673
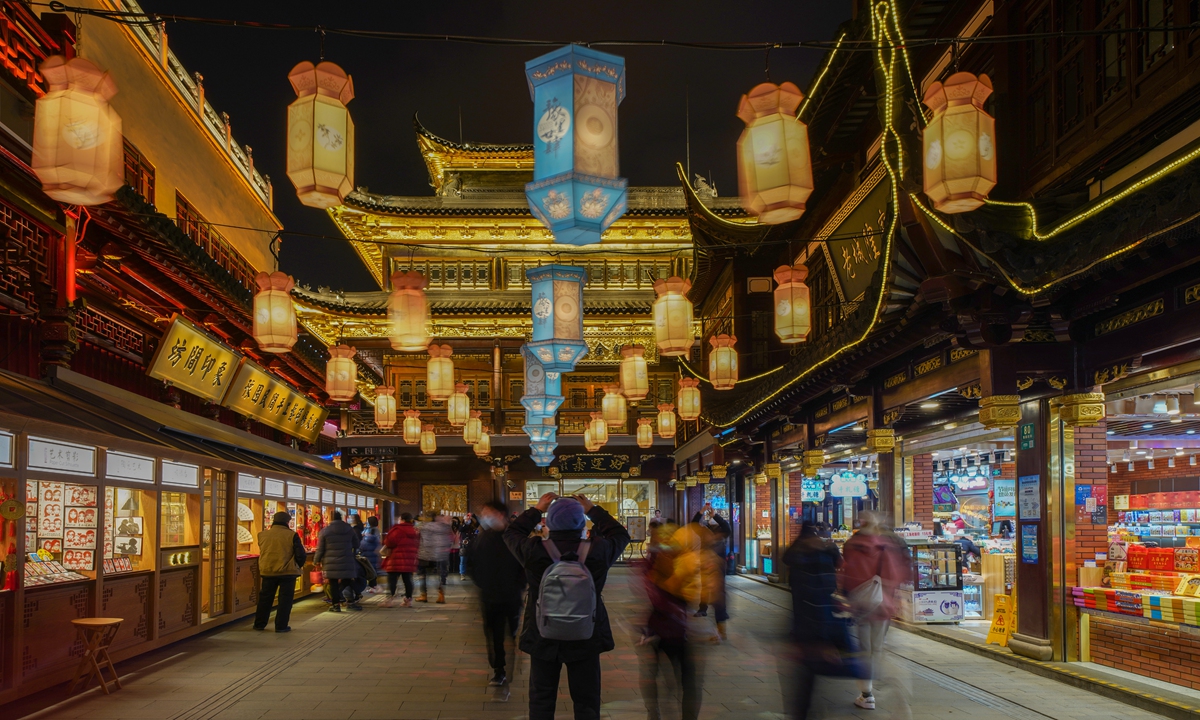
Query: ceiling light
pixel 1171 462
pixel 962 449
pixel 1190 432
pixel 928 405
pixel 1147 426
pixel 1191 459
pixel 1125 456
pixel 1111 432
pixel 1173 405
pixel 1159 407
pixel 1141 452
pixel 1114 468
pixel 1176 420
pixel 1178 451
pixel 935 454
pixel 1150 464
pixel 1130 468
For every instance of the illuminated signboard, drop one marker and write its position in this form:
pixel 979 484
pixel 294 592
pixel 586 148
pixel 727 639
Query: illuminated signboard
pixel 812 490
pixel 848 485
pixel 264 397
pixel 193 360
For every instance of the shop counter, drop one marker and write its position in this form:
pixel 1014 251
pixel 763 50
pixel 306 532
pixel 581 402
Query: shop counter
pixel 127 596
pixel 245 582
pixel 50 640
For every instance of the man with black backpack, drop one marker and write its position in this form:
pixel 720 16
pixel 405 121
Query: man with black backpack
pixel 565 619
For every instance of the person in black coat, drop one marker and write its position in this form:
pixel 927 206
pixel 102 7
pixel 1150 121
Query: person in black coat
pixel 501 579
pixel 566 518
pixel 336 545
pixel 813 563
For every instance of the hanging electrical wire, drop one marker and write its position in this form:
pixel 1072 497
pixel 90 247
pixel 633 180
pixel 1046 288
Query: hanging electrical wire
pixel 156 19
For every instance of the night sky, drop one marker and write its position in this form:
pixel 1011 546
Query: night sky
pixel 245 74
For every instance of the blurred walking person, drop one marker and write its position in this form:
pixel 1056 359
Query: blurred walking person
pixel 455 566
pixel 466 538
pixel 874 566
pixel 336 546
pixel 281 557
pixel 680 576
pixel 369 549
pixel 400 562
pixel 821 637
pixel 500 579
pixel 434 554
pixel 560 554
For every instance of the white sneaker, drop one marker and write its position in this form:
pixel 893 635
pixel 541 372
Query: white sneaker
pixel 866 702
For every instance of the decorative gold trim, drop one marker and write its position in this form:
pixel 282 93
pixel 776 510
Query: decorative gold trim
pixel 848 206
pixel 1056 382
pixel 1110 373
pixel 1000 411
pixel 1024 383
pixel 892 415
pixel 957 354
pixel 1131 317
pixel 841 403
pixel 927 366
pixel 1082 409
pixel 881 440
pixel 898 379
pixel 972 391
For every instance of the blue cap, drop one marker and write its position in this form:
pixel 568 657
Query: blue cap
pixel 566 514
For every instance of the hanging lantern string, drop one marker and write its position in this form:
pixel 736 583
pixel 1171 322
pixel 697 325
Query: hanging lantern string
pixel 151 19
pixel 701 378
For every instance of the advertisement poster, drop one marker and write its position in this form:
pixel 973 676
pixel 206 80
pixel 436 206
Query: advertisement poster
pixel 50 509
pixel 942 606
pixel 1006 498
pixel 1029 544
pixel 1030 498
pixel 943 498
pixel 78 559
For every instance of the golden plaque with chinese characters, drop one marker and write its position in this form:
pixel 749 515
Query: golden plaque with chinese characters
pixel 264 397
pixel 193 360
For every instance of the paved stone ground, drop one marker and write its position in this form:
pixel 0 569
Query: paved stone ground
pixel 429 662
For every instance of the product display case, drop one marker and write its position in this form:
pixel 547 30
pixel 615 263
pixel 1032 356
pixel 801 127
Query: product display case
pixel 248 512
pixel 61 533
pixel 129 530
pixel 935 593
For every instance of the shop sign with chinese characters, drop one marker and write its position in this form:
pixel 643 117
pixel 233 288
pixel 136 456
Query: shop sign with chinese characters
pixel 262 396
pixel 593 463
pixel 191 359
pixel 812 490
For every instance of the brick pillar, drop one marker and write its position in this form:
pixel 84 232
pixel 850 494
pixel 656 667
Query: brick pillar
pixel 923 490
pixel 1091 468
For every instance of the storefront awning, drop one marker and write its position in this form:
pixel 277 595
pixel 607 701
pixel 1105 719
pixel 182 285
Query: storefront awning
pixel 77 401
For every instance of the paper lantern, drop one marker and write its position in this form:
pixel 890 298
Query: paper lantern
pixel 439 372
pixel 372 473
pixel 320 156
pixel 557 299
pixel 385 407
pixel 688 398
pixel 666 420
pixel 540 429
pixel 341 374
pixel 599 429
pixel 673 317
pixel 543 390
pixel 458 406
pixel 645 433
pixel 428 440
pixel 793 314
pixel 543 457
pixel 635 378
pixel 722 362
pixel 774 168
pixel 959 143
pixel 408 312
pixel 77 150
pixel 274 314
pixel 575 190
pixel 589 443
pixel 473 428
pixel 412 426
pixel 612 406
pixel 483 446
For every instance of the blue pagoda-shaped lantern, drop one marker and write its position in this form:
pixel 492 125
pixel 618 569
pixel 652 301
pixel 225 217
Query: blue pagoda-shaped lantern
pixel 557 317
pixel 543 459
pixel 575 190
pixel 543 393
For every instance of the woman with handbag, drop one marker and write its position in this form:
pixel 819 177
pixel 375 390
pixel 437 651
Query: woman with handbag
pixel 874 566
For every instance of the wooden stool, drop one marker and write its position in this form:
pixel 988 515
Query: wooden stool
pixel 98 634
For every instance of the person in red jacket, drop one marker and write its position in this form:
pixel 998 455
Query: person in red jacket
pixel 401 562
pixel 875 564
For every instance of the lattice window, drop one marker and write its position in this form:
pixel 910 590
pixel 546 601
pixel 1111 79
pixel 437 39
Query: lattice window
pixel 220 500
pixel 139 172
pixel 1112 59
pixel 24 255
pixel 1156 45
pixel 121 336
pixel 192 223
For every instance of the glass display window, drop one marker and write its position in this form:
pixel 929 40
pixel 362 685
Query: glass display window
pixel 62 532
pixel 180 519
pixel 639 498
pixel 8 538
pixel 313 524
pixel 129 530
pixel 535 489
pixel 603 492
pixel 248 512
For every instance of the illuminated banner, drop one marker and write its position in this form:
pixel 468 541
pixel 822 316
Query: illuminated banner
pixel 593 463
pixel 191 359
pixel 260 395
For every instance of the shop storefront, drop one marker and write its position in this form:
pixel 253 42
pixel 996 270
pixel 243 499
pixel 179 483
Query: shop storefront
pixel 107 516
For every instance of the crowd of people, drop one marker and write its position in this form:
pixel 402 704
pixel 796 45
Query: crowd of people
pixel 553 560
